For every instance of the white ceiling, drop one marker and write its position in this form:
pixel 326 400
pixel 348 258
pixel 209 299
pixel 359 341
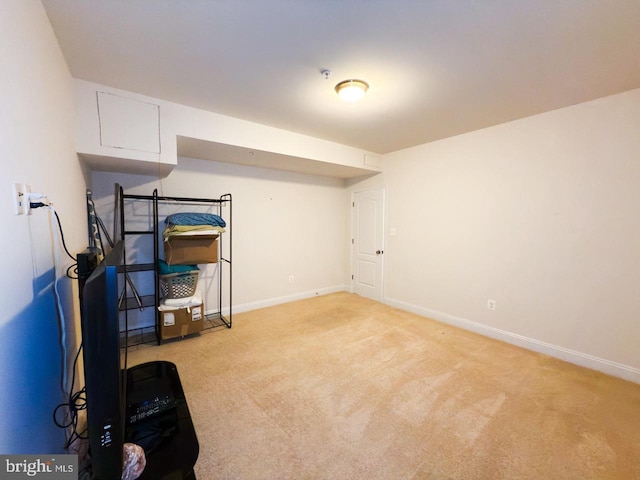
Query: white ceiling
pixel 437 68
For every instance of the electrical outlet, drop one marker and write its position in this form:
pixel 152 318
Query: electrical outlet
pixel 21 198
pixel 18 199
pixel 26 190
pixel 491 304
pixel 291 279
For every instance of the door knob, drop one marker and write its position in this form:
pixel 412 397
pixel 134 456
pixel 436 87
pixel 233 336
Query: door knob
pixel 378 252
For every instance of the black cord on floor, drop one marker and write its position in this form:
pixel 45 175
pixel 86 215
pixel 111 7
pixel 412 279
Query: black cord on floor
pixel 76 403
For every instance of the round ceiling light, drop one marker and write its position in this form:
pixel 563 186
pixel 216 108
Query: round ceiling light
pixel 352 90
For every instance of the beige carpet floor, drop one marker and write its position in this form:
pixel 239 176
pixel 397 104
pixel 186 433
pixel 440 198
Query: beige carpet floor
pixel 340 387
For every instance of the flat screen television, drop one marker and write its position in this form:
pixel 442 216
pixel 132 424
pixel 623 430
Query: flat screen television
pixel 104 354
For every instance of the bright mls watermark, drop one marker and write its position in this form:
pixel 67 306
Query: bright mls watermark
pixel 52 467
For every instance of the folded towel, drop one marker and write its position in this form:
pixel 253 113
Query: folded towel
pixel 173 303
pixel 165 269
pixel 173 230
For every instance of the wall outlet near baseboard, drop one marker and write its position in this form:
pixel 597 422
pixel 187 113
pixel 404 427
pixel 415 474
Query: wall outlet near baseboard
pixel 491 304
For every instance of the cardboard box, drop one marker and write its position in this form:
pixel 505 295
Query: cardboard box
pixel 191 249
pixel 180 322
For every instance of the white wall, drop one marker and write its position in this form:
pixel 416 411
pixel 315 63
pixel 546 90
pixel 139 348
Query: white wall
pixel 540 215
pixel 37 147
pixel 283 224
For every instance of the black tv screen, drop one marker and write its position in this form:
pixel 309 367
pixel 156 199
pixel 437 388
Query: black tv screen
pixel 104 365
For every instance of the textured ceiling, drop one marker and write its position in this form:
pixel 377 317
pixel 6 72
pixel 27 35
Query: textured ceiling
pixel 436 68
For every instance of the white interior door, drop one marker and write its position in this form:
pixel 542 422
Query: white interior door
pixel 367 226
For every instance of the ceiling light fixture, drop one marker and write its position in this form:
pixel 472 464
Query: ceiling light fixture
pixel 352 90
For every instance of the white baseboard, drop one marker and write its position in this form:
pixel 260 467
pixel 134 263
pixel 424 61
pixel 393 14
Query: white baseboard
pixel 270 302
pixel 577 358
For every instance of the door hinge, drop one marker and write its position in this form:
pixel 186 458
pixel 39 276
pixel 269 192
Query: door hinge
pixel 353 241
pixel 353 204
pixel 351 277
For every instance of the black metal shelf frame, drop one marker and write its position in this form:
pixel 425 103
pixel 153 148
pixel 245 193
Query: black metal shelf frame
pixel 212 320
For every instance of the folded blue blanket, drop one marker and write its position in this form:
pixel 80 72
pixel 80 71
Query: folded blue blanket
pixel 195 219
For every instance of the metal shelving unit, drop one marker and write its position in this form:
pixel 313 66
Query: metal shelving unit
pixel 128 302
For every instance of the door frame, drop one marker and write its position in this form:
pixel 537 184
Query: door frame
pixel 352 241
